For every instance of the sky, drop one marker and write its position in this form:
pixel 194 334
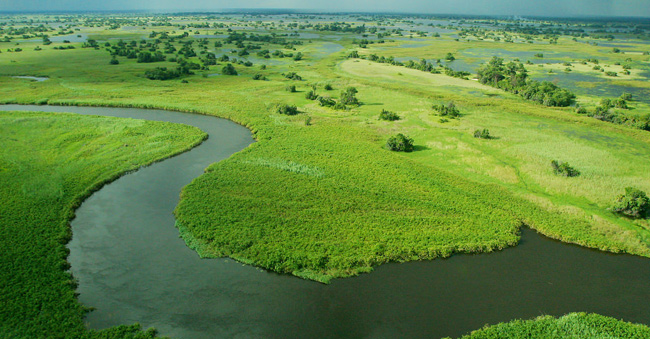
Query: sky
pixel 638 8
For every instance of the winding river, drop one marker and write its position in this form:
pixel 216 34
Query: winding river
pixel 133 267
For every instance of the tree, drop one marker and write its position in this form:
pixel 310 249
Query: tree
pixel 633 203
pixel 348 97
pixel 400 143
pixel 229 69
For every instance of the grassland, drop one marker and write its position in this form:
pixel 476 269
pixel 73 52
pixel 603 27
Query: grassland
pixel 48 164
pixel 325 199
pixel 574 325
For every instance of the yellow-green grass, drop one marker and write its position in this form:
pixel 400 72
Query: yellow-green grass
pixel 48 164
pixel 573 325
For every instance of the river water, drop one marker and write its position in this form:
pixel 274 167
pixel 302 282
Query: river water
pixel 133 267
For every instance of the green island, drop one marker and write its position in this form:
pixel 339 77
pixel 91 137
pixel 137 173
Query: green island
pixel 379 139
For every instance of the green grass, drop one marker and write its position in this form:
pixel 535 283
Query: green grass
pixel 48 164
pixel 573 325
pixel 326 200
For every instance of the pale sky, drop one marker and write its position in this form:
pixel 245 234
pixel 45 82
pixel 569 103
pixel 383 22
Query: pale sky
pixel 478 7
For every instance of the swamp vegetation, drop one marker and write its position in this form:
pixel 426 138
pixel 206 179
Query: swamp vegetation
pixel 319 195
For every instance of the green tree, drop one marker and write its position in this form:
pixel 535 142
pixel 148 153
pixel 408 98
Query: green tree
pixel 229 69
pixel 400 143
pixel 633 203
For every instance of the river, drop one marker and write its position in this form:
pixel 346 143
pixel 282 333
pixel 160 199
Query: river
pixel 133 267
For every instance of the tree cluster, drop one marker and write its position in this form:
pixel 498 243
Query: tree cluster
pixel 513 77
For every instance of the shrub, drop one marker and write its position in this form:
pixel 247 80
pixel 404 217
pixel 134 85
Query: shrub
pixel 291 88
pixel 293 76
pixel 259 76
pixel 328 87
pixel 400 143
pixel 633 203
pixel 229 69
pixel 563 168
pixel 287 109
pixel 482 134
pixel 447 110
pixel 348 97
pixel 388 115
pixel 114 61
pixel 326 101
pixel 311 95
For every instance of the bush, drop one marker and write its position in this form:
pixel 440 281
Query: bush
pixel 634 203
pixel 311 95
pixel 326 101
pixel 563 168
pixel 388 115
pixel 259 76
pixel 448 110
pixel 482 134
pixel 291 88
pixel 293 76
pixel 229 69
pixel 114 61
pixel 348 97
pixel 328 87
pixel 287 109
pixel 400 143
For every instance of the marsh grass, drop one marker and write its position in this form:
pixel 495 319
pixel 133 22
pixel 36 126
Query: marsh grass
pixel 49 164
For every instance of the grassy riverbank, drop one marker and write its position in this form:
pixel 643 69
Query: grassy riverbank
pixel 318 196
pixel 574 325
pixel 48 164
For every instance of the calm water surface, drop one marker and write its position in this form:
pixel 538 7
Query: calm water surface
pixel 133 267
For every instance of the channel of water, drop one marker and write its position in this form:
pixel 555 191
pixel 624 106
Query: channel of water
pixel 133 267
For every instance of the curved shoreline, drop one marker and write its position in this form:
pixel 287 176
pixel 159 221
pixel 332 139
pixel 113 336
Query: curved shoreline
pixel 186 297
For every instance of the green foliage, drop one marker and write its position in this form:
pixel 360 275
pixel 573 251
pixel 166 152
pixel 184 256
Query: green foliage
pixel 348 97
pixel 326 101
pixel 291 88
pixel 259 76
pixel 564 169
pixel 286 109
pixel 51 162
pixel 573 325
pixel 328 87
pixel 229 69
pixel 482 134
pixel 292 76
pixel 311 95
pixel 400 143
pixel 297 57
pixel 449 110
pixel 450 57
pixel 114 61
pixel 161 73
pixel 388 115
pixel 513 77
pixel 634 203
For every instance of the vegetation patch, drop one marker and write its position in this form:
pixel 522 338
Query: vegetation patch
pixel 573 325
pixel 50 163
